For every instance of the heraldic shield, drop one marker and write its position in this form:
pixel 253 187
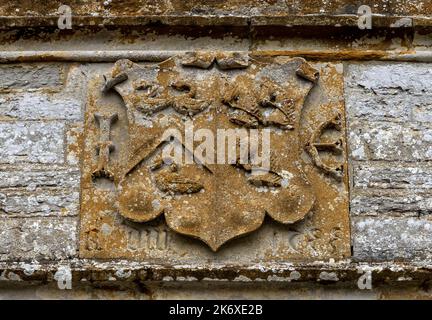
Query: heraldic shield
pixel 193 106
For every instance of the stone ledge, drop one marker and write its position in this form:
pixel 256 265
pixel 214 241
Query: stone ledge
pixel 161 55
pixel 318 272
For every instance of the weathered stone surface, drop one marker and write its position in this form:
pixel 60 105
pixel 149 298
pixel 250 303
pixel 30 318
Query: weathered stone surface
pixel 387 105
pixel 422 111
pixel 34 142
pixel 390 141
pixel 397 107
pixel 390 78
pixel 40 203
pixel 134 203
pixel 36 76
pixel 380 239
pixel 389 92
pixel 218 9
pixel 392 176
pixel 37 238
pixel 390 138
pixel 31 178
pixel 37 106
pixel 73 142
pixel 38 191
pixel 391 203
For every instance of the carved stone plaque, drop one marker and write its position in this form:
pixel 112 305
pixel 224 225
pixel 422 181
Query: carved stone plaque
pixel 215 158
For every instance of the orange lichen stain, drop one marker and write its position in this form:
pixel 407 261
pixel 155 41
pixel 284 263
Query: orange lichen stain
pixel 325 54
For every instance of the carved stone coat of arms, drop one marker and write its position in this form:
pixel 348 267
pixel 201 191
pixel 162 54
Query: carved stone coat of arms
pixel 201 149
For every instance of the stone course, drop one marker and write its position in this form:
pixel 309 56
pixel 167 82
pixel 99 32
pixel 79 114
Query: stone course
pixel 390 144
pixel 38 239
pixel 31 76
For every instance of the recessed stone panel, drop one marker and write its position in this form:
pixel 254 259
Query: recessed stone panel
pixel 215 158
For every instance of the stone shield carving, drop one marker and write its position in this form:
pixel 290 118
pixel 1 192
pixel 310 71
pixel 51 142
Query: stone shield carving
pixel 136 111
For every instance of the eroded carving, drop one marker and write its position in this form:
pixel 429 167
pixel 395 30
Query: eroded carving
pixel 150 238
pixel 110 83
pixel 269 106
pixel 210 201
pixel 225 60
pixel 105 146
pixel 307 72
pixel 315 145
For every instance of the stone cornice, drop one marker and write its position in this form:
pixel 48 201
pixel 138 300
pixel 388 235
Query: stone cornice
pixel 122 270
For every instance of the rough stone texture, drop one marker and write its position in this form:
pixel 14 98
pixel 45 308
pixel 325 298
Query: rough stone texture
pixel 248 8
pixel 391 78
pixel 30 76
pixel 394 176
pixel 391 203
pixel 42 202
pixel 37 239
pixel 367 103
pixel 31 177
pixel 32 142
pixel 73 139
pixel 37 106
pixel 390 143
pixel 392 239
pixel 35 182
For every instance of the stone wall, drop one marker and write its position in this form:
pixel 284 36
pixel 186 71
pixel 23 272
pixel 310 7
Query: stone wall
pixel 388 108
pixel 388 103
pixel 41 111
